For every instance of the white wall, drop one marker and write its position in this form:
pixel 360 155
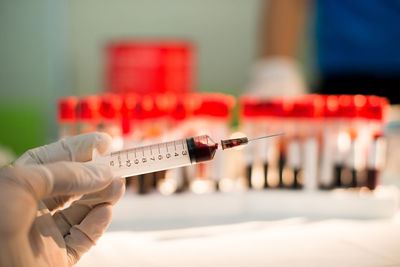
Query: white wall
pixel 224 31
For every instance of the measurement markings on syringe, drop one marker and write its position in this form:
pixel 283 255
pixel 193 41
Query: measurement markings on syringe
pixel 152 157
pixel 119 160
pixel 163 153
pixel 128 162
pixel 160 157
pixel 184 152
pixel 168 155
pixel 144 159
pixel 176 153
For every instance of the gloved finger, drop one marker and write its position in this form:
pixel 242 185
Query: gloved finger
pixel 62 178
pixel 75 148
pixel 79 148
pixel 83 236
pixel 78 210
pixel 53 203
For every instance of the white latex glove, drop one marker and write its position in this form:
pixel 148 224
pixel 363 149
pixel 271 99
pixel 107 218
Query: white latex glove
pixel 43 180
pixel 276 77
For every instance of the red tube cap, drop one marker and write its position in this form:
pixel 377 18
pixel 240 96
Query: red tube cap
pixel 89 108
pixel 67 109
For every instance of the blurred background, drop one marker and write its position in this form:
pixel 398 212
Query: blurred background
pixel 52 49
pixel 331 184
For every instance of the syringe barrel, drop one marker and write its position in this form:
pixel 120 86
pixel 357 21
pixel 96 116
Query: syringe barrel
pixel 158 157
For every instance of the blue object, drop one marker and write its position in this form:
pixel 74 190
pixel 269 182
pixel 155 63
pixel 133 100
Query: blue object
pixel 358 36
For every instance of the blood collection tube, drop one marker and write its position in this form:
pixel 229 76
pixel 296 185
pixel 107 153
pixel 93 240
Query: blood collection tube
pixel 184 121
pixel 271 122
pixel 330 133
pixel 149 115
pixel 164 105
pixel 161 121
pixel 353 161
pixel 343 140
pixel 376 160
pixel 377 112
pixel 361 123
pixel 313 110
pixel 147 133
pixel 216 110
pixel 260 116
pixel 267 125
pixel 67 116
pixel 202 126
pixel 249 111
pixel 284 108
pixel 176 180
pixel 179 114
pixel 88 113
pixel 294 163
pixel 111 119
pixel 342 149
pixel 210 117
pixel 133 116
pixel 191 126
pixel 349 172
pixel 128 118
pixel 294 127
pixel 127 112
pixel 136 121
pixel 152 113
pixel 258 170
pixel 356 159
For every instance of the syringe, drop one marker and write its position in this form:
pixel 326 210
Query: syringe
pixel 167 155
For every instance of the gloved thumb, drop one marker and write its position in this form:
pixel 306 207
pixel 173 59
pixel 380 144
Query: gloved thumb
pixel 62 178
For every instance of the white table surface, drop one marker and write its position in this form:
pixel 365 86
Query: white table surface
pixel 244 240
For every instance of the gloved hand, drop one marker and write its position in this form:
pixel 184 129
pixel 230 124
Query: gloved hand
pixel 34 231
pixel 276 76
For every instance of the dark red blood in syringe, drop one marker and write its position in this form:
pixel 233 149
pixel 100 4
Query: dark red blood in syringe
pixel 204 152
pixel 201 148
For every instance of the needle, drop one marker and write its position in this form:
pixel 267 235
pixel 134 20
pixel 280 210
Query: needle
pixel 267 136
pixel 231 143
